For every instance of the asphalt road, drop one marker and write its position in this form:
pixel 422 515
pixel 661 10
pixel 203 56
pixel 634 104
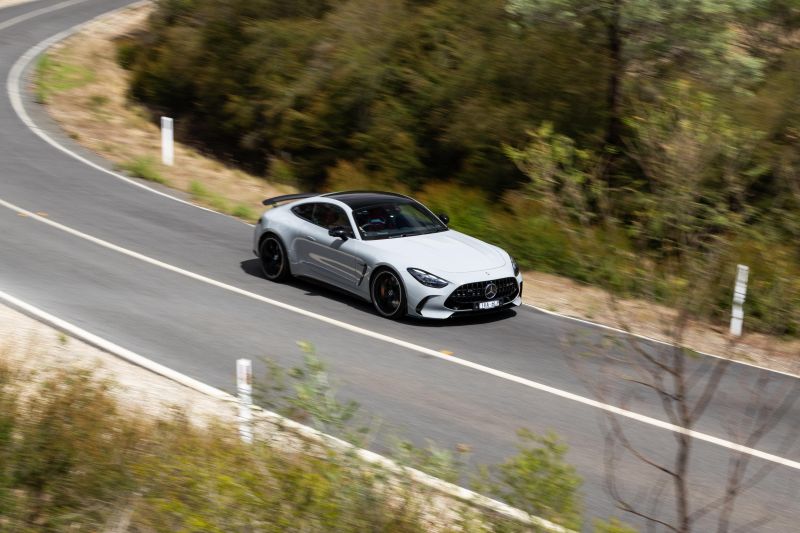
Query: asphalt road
pixel 200 329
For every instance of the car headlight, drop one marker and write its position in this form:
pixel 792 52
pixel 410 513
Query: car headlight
pixel 514 265
pixel 428 279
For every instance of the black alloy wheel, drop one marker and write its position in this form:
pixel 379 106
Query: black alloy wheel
pixel 274 263
pixel 388 295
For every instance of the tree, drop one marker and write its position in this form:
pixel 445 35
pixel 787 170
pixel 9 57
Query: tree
pixel 697 163
pixel 645 40
pixel 537 480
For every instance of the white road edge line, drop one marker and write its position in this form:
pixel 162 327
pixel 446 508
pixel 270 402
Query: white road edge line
pixel 411 346
pixel 14 89
pixel 14 84
pixel 658 341
pixel 306 432
pixel 14 92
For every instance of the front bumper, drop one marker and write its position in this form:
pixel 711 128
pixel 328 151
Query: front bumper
pixel 462 296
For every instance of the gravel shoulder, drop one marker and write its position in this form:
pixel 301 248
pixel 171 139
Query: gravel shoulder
pixel 91 105
pixel 39 348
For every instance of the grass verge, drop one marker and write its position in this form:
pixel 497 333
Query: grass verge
pixel 216 201
pixel 144 168
pixel 55 76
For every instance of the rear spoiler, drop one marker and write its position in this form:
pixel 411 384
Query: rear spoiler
pixel 288 198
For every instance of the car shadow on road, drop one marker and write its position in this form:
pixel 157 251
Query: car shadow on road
pixel 310 287
pixel 315 288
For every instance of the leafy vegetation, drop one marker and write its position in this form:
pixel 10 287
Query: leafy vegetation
pixel 537 480
pixel 72 458
pixel 53 76
pixel 143 167
pixel 202 194
pixel 441 98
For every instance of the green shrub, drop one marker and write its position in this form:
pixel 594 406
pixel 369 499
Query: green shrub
pixel 53 76
pixel 126 50
pixel 143 167
pixel 244 211
pixel 537 480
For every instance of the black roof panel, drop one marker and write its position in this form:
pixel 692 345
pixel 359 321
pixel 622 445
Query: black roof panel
pixel 359 199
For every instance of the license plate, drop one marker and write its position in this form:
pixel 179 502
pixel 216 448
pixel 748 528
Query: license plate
pixel 491 304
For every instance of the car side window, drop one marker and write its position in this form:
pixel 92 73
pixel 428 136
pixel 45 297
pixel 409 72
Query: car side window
pixel 304 211
pixel 331 216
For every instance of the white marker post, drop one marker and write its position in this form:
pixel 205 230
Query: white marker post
pixel 167 142
pixel 739 293
pixel 244 386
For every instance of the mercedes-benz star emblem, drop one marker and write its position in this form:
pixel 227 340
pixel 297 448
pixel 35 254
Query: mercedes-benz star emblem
pixel 490 291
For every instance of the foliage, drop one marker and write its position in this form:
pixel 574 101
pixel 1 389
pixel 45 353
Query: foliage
pixel 537 480
pixel 697 38
pixel 143 167
pixel 487 109
pixel 66 455
pixel 695 217
pixel 72 459
pixel 202 194
pixel 560 173
pixel 393 87
pixel 305 394
pixel 436 461
pixel 612 526
pixel 53 76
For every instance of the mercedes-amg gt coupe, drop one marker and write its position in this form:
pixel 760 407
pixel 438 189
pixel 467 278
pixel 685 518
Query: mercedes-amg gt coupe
pixel 387 249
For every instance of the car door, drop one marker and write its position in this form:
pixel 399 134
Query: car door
pixel 327 258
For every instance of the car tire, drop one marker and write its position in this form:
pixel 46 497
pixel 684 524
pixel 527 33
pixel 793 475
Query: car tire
pixel 274 261
pixel 388 294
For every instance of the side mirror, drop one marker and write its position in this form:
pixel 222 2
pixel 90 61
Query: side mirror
pixel 338 232
pixel 444 218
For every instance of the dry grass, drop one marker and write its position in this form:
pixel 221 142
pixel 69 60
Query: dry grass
pixel 568 297
pixel 95 111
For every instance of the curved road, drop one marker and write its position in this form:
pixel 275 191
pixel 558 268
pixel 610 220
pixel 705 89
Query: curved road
pixel 198 325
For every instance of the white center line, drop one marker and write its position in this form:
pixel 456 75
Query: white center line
pixel 411 346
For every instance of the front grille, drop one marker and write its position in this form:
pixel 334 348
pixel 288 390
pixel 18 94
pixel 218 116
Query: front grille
pixel 466 296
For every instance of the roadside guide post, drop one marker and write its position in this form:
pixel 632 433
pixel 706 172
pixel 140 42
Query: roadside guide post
pixel 739 293
pixel 167 142
pixel 244 386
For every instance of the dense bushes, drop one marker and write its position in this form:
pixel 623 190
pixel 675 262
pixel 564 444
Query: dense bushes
pixel 430 97
pixel 73 459
pixel 409 91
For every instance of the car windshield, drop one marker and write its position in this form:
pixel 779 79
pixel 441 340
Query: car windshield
pixel 395 219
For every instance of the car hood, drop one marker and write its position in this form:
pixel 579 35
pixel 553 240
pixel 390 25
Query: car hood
pixel 443 252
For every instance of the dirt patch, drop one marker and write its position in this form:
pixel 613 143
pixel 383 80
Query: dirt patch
pixel 568 297
pixel 91 105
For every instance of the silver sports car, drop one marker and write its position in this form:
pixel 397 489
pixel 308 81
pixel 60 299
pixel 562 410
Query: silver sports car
pixel 387 249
